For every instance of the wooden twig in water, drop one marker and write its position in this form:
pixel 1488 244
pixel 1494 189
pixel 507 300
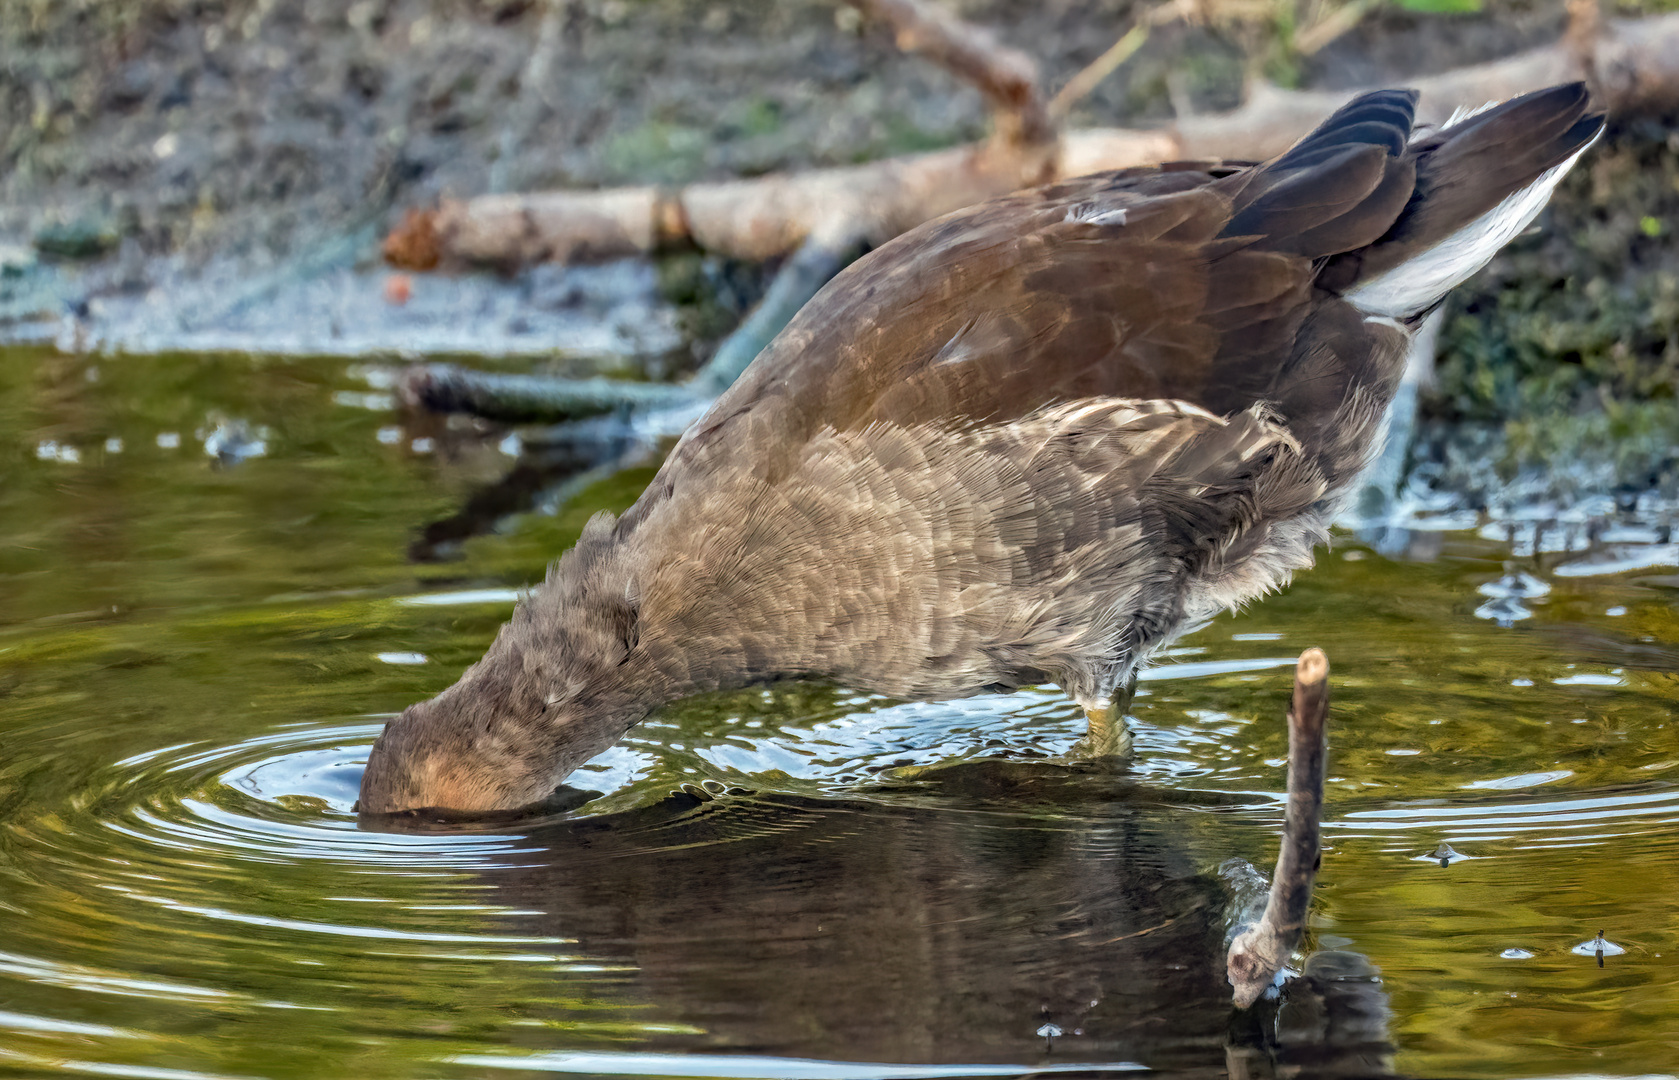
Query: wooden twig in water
pixel 523 399
pixel 1259 952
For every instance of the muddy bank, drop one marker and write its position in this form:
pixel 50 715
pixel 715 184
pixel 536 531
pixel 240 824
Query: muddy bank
pixel 260 126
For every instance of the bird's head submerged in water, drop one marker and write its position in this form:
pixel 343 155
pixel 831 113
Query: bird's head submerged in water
pixel 559 685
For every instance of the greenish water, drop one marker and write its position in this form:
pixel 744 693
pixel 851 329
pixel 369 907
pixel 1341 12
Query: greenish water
pixel 194 659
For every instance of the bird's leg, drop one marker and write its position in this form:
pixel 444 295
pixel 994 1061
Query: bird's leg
pixel 1109 735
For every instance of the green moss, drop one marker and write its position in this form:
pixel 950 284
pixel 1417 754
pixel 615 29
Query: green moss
pixel 1570 341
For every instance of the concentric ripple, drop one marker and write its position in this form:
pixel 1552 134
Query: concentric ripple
pixel 177 907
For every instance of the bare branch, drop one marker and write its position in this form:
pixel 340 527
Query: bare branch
pixel 1007 77
pixel 1091 76
pixel 445 388
pixel 1258 953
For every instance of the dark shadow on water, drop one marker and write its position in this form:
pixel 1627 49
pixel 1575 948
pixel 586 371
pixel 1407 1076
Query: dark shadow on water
pixel 1010 914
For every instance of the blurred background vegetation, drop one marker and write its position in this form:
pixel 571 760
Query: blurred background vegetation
pixel 139 130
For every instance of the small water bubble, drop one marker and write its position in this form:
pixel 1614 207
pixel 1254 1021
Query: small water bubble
pixel 168 440
pixel 371 401
pixel 422 445
pixel 1589 678
pixel 1521 682
pixel 390 436
pixel 113 445
pixel 403 658
pixel 1616 612
pixel 1515 584
pixel 1445 855
pixel 1599 947
pixel 1402 753
pixel 1516 954
pixel 51 450
pixel 233 441
pixel 1505 611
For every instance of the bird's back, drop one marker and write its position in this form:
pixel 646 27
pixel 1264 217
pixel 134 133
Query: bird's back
pixel 1222 285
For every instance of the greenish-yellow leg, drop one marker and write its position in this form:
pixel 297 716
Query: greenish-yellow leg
pixel 1109 735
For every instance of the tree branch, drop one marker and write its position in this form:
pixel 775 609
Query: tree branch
pixel 519 399
pixel 1007 77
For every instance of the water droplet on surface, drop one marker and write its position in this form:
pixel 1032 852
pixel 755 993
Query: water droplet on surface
pixel 1599 947
pixel 1445 855
pixel 1519 781
pixel 1505 611
pixel 1515 584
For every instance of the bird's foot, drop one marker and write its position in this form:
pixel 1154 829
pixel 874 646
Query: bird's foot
pixel 1109 737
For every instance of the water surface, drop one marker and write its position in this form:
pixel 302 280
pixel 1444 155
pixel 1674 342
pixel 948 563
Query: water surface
pixel 198 645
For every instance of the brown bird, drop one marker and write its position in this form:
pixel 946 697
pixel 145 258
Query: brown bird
pixel 1031 441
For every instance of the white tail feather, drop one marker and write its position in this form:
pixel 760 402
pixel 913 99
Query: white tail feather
pixel 1419 283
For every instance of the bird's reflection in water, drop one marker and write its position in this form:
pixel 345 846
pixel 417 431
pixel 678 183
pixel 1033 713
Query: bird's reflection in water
pixel 1009 914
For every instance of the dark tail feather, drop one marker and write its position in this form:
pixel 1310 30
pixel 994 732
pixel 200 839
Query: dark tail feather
pixel 1479 182
pixel 1337 189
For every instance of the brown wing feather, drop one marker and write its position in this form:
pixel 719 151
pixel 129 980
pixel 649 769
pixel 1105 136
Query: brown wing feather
pixel 1115 286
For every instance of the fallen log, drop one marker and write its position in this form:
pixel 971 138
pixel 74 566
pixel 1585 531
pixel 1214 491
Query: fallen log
pixel 1632 63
